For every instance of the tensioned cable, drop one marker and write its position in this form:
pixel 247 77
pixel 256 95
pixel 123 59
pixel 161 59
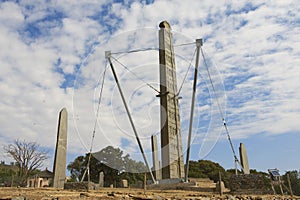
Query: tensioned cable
pixel 220 109
pixel 185 44
pixel 154 48
pixel 135 75
pixel 95 124
pixel 136 50
pixel 185 76
pixel 98 106
pixel 213 87
pixel 149 49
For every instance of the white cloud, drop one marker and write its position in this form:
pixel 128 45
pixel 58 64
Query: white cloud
pixel 11 15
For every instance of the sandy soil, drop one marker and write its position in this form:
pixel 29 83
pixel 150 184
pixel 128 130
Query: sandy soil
pixel 121 193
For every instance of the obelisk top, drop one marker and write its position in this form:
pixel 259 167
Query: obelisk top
pixel 63 109
pixel 165 24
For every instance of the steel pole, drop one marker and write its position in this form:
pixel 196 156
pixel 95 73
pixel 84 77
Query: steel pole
pixel 198 45
pixel 107 55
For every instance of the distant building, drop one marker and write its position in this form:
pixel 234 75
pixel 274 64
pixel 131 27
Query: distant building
pixel 41 179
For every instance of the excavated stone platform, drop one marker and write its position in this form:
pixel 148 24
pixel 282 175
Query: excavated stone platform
pixel 194 184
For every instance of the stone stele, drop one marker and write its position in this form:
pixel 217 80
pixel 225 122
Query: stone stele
pixel 171 142
pixel 244 159
pixel 101 179
pixel 155 158
pixel 59 168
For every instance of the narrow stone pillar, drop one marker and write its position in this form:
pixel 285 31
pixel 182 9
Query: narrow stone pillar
pixel 244 159
pixel 101 179
pixel 59 168
pixel 155 158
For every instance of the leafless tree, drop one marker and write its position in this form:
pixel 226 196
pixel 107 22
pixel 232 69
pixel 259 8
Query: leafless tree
pixel 28 157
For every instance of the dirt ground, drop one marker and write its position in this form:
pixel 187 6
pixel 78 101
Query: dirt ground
pixel 122 193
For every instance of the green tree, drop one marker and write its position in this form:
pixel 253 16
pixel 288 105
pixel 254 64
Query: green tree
pixel 254 171
pixel 76 168
pixel 133 170
pixel 295 181
pixel 28 157
pixel 7 174
pixel 232 171
pixel 207 169
pixel 112 162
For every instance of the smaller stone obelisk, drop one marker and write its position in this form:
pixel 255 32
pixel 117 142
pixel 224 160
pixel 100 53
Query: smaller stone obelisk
pixel 156 167
pixel 244 159
pixel 101 179
pixel 59 168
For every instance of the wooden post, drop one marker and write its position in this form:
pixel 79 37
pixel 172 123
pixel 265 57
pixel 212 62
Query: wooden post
pixel 12 181
pixel 89 178
pixel 145 183
pixel 272 185
pixel 220 184
pixel 289 182
pixel 280 185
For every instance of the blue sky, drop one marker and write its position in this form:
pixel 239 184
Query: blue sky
pixel 52 56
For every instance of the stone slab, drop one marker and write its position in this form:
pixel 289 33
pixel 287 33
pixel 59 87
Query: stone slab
pixel 244 159
pixel 155 158
pixel 59 168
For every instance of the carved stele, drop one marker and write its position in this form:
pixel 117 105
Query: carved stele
pixel 244 159
pixel 59 167
pixel 155 158
pixel 171 143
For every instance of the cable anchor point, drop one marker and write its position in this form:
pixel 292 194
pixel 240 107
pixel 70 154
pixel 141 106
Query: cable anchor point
pixel 199 42
pixel 107 54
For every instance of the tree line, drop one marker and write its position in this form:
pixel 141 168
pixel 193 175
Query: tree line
pixel 112 162
pixel 115 165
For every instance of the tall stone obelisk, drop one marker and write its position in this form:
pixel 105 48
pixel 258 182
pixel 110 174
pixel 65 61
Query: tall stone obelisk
pixel 59 167
pixel 171 143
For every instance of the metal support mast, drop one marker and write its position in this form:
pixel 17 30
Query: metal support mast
pixel 107 56
pixel 198 45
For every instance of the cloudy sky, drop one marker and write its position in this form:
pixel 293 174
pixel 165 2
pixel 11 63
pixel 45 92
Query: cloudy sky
pixel 53 56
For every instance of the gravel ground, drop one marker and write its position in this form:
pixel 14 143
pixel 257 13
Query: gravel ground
pixel 123 193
